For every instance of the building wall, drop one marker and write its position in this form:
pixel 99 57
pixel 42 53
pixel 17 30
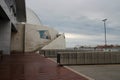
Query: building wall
pixel 58 43
pixel 25 37
pixel 32 37
pixel 5 36
pixel 8 11
pixel 17 39
pixel 28 38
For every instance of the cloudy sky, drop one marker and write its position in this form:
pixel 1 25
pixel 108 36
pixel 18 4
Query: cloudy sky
pixel 80 20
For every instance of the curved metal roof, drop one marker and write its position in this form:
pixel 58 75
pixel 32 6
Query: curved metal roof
pixel 32 17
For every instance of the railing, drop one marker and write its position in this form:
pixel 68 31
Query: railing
pixel 75 58
pixel 53 53
pixel 49 53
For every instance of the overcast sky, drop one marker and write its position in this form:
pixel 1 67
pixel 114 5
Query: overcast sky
pixel 80 20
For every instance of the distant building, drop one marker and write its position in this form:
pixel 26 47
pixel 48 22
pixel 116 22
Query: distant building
pixel 100 48
pixel 108 48
pixel 21 30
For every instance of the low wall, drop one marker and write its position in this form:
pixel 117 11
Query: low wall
pixel 71 58
pixel 76 57
pixel 53 53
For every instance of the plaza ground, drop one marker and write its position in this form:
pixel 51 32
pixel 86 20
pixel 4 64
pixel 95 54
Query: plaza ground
pixel 34 67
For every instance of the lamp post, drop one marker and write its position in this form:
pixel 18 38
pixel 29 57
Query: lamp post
pixel 104 20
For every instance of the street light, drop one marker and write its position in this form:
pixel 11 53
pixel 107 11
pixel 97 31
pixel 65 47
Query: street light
pixel 104 20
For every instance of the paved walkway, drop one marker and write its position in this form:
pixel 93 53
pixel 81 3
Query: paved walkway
pixel 99 72
pixel 34 67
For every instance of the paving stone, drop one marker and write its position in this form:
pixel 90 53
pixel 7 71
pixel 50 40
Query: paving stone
pixel 34 67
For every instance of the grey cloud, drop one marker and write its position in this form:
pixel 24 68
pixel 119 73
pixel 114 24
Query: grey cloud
pixel 80 16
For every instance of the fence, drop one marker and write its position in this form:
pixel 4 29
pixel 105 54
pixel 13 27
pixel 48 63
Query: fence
pixel 49 53
pixel 53 53
pixel 74 58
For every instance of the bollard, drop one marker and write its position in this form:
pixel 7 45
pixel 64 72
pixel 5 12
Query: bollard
pixel 1 54
pixel 58 58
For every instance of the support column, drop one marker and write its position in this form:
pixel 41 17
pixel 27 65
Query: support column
pixel 5 36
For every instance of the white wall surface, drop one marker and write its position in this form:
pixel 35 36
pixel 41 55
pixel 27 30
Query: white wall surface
pixel 17 42
pixel 58 43
pixel 32 37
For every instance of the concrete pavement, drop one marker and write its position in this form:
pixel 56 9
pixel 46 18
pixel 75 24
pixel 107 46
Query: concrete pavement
pixel 99 72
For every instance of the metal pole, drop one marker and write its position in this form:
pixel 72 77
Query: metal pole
pixel 105 33
pixel 104 20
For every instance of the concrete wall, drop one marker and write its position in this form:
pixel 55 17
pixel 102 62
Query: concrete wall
pixel 76 58
pixel 58 43
pixel 28 38
pixel 52 32
pixel 17 39
pixel 5 36
pixel 8 11
pixel 32 37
